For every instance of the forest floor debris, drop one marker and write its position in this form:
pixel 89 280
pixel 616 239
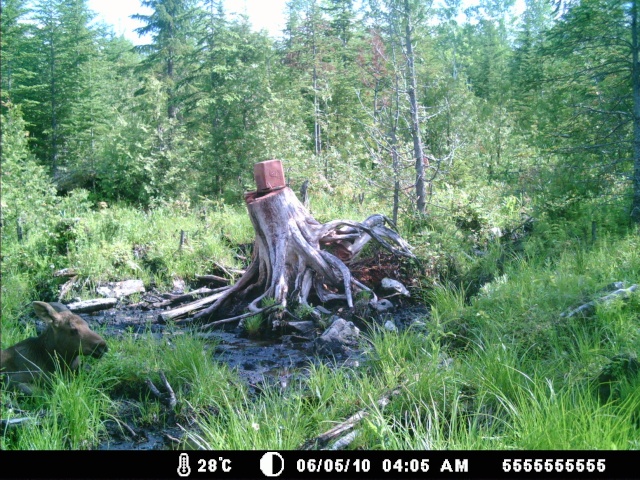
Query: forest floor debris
pixel 278 359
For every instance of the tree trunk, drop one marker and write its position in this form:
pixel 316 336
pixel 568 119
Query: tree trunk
pixel 316 103
pixel 635 76
pixel 295 256
pixel 395 160
pixel 415 114
pixel 54 107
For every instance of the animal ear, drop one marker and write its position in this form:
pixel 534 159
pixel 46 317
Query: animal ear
pixel 47 313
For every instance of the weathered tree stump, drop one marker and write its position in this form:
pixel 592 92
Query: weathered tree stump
pixel 294 255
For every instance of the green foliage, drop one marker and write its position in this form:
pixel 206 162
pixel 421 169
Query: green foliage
pixel 184 360
pixel 15 45
pixel 522 117
pixel 286 419
pixel 74 409
pixel 28 198
pixel 114 243
pixel 570 418
pixel 254 325
pixel 40 228
pixel 271 422
pixel 522 309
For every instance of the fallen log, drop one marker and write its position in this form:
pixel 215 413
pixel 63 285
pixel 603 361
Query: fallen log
pixel 344 442
pixel 212 278
pixel 16 422
pixel 65 272
pixel 121 289
pixel 343 433
pixel 295 256
pixel 192 307
pixel 94 305
pixel 186 296
pixel 589 309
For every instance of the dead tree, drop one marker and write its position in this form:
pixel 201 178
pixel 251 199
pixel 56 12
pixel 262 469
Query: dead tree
pixel 294 255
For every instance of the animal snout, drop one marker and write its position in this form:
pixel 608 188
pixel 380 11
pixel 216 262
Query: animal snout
pixel 100 349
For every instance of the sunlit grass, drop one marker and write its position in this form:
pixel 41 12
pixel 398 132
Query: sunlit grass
pixel 498 369
pixel 74 408
pixel 543 418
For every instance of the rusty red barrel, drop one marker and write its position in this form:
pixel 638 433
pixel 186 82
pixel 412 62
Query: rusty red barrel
pixel 268 175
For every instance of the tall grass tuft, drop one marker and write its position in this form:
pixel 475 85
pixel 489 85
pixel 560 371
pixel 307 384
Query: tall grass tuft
pixel 543 418
pixel 185 360
pixel 74 409
pixel 243 424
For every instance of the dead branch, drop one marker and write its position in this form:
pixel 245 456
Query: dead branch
pixel 65 272
pixel 88 306
pixel 64 289
pixel 16 422
pixel 344 442
pixel 121 289
pixel 193 306
pixel 212 278
pixel 169 398
pixel 229 271
pixel 187 296
pixel 127 427
pixel 589 309
pixel 335 433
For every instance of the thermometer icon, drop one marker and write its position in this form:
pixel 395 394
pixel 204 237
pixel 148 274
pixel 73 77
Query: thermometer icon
pixel 184 470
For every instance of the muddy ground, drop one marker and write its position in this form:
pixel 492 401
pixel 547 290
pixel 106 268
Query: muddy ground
pixel 258 362
pixel 279 359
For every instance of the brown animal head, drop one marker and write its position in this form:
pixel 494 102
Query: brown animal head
pixel 71 335
pixel 66 337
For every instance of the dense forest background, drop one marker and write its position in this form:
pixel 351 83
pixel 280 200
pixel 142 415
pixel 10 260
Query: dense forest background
pixel 404 101
pixel 503 139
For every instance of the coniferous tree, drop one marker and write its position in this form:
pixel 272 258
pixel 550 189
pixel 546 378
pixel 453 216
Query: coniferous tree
pixel 166 83
pixel 16 51
pixel 590 111
pixel 65 45
pixel 635 85
pixel 27 193
pixel 230 87
pixel 400 19
pixel 344 116
pixel 305 55
pixel 170 27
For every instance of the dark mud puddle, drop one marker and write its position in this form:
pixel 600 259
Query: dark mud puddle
pixel 258 362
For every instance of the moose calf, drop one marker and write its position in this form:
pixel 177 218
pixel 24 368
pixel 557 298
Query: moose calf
pixel 66 337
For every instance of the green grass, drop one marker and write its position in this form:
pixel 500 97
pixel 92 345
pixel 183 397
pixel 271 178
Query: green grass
pixel 253 326
pixel 270 422
pixel 122 243
pixel 185 361
pixel 543 418
pixel 501 369
pixel 285 419
pixel 115 243
pixel 74 409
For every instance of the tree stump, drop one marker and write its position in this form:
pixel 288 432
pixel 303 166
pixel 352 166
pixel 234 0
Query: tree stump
pixel 294 255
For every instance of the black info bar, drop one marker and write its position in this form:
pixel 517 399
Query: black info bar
pixel 318 464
